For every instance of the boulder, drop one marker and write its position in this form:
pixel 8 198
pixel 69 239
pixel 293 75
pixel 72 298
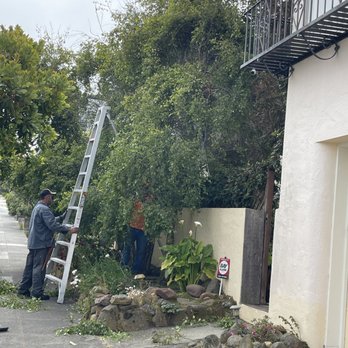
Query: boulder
pixel 195 290
pixel 246 342
pixel 166 293
pixel 103 300
pixel 213 286
pixel 211 341
pixel 292 341
pixel 208 295
pixel 122 300
pixel 233 341
pixel 134 319
pixel 109 317
pixel 279 345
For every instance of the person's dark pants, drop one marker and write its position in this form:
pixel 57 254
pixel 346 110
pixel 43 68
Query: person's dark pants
pixel 34 273
pixel 140 239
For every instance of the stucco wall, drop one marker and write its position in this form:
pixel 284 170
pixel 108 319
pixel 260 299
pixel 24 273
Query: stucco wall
pixel 224 229
pixel 317 111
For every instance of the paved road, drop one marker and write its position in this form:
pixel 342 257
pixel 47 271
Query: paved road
pixel 37 329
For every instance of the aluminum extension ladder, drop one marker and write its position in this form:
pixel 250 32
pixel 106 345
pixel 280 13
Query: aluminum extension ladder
pixel 76 204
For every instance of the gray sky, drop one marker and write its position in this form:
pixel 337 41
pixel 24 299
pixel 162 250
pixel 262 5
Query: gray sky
pixel 77 17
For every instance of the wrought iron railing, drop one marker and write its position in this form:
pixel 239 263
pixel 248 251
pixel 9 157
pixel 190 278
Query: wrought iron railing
pixel 270 21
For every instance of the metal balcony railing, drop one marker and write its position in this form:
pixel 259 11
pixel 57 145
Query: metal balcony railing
pixel 280 33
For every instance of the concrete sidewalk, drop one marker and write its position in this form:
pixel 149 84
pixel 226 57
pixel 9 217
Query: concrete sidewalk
pixel 37 329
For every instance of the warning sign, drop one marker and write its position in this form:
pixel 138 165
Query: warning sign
pixel 223 268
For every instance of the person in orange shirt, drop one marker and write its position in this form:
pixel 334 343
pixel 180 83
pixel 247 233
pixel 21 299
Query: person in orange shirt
pixel 136 235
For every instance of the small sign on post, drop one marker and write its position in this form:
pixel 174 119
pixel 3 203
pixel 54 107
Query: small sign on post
pixel 223 270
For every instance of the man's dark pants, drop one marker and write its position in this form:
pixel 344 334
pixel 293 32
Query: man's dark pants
pixel 34 272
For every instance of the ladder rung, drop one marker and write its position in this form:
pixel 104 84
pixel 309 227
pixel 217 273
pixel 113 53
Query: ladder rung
pixel 73 207
pixel 91 139
pixel 82 173
pixel 57 260
pixel 78 190
pixel 88 156
pixel 53 278
pixel 62 242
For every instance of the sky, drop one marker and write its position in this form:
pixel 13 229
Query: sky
pixel 77 17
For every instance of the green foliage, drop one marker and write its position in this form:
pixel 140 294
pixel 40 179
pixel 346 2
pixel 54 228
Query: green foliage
pixel 16 205
pixel 95 328
pixel 106 273
pixel 193 321
pixel 226 322
pixel 187 262
pixel 14 302
pixel 169 307
pixel 32 95
pixel 6 287
pixel 9 298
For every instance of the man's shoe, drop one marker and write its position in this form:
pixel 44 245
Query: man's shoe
pixel 42 297
pixel 24 294
pixel 3 328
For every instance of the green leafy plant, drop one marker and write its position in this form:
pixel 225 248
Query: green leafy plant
pixel 187 262
pixel 169 307
pixel 95 328
pixel 193 321
pixel 226 322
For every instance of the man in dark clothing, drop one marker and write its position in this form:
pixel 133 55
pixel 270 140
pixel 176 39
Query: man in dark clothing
pixel 42 226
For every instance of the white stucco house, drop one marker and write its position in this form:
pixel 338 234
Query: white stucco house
pixel 306 42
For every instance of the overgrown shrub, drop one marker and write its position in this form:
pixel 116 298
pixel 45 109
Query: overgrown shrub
pixel 106 273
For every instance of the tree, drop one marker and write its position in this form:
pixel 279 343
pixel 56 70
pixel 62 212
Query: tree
pixel 33 95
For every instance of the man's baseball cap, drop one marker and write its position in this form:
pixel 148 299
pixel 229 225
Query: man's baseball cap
pixel 46 192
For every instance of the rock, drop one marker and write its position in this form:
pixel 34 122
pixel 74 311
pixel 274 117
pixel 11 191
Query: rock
pixel 246 342
pixel 96 309
pixel 122 300
pixel 103 300
pixel 148 309
pixel 233 341
pixel 211 341
pixel 134 320
pixel 160 319
pixel 109 317
pixel 267 344
pixel 93 317
pixel 166 293
pixel 99 290
pixel 292 341
pixel 259 345
pixel 213 286
pixel 195 290
pixel 224 336
pixel 279 345
pixel 208 295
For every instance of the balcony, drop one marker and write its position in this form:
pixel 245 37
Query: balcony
pixel 281 33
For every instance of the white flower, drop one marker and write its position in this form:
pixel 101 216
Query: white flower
pixel 107 255
pixel 197 223
pixel 181 222
pixel 74 272
pixel 190 233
